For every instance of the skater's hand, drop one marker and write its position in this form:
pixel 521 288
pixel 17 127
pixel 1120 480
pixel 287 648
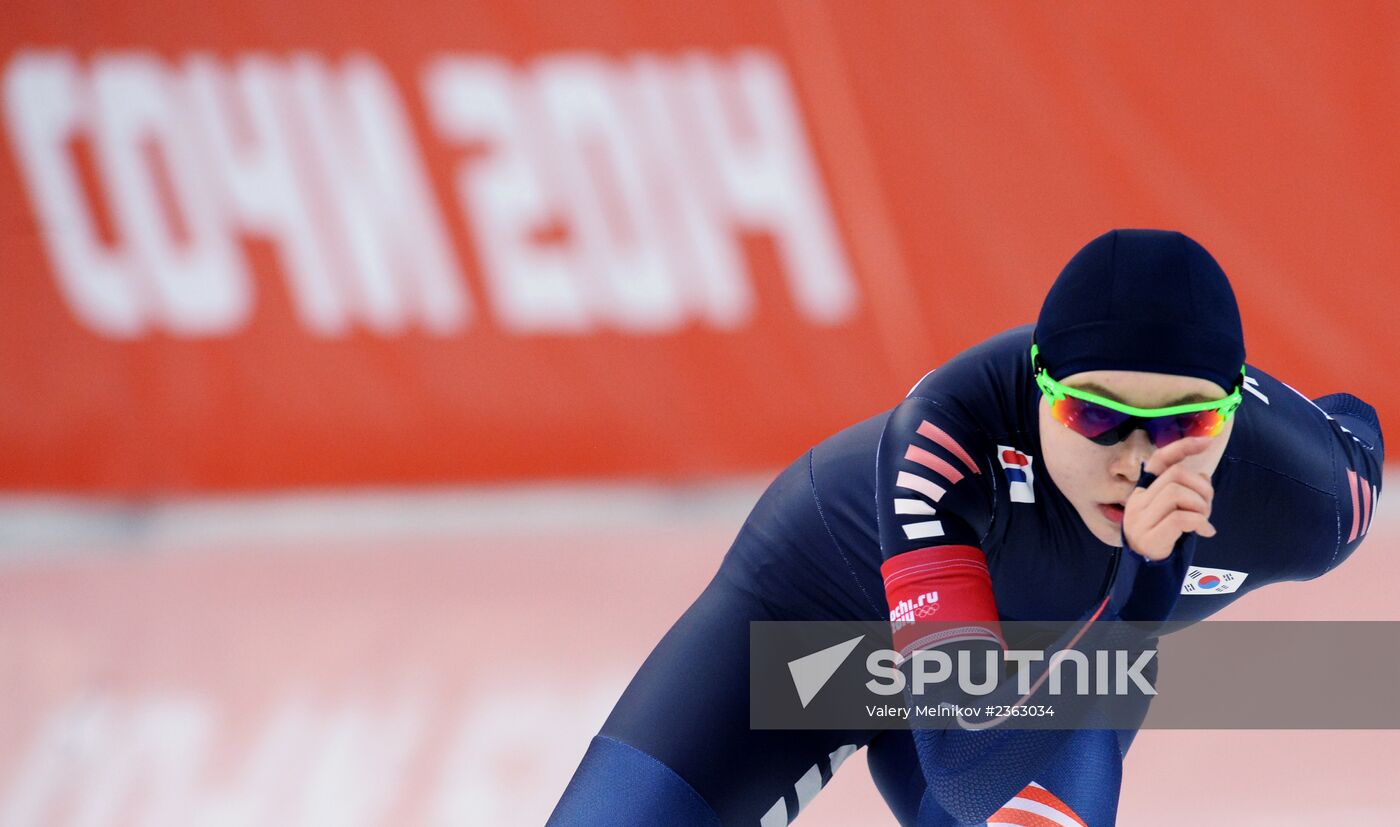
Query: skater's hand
pixel 1176 502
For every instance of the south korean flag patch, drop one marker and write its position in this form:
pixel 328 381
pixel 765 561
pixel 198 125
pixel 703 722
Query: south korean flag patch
pixel 1020 476
pixel 1201 580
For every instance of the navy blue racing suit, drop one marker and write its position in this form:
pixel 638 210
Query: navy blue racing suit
pixel 955 469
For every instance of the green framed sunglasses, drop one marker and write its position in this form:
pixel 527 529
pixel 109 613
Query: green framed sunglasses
pixel 1107 422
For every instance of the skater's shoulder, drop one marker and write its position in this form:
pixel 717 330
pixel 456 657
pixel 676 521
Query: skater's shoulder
pixel 996 362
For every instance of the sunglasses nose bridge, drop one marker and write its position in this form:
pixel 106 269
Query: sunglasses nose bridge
pixel 1124 431
pixel 1129 452
pixel 1136 450
pixel 1150 441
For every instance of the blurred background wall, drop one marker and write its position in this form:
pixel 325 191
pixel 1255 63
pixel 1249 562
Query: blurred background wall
pixel 348 350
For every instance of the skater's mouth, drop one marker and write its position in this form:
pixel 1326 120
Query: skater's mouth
pixel 1113 511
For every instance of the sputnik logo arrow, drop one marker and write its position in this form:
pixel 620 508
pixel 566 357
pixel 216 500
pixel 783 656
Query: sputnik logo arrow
pixel 811 672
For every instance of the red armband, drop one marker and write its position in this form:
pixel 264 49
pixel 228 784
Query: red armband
pixel 947 585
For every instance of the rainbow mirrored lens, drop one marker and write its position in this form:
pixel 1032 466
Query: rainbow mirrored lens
pixel 1106 426
pixel 1086 418
pixel 1165 430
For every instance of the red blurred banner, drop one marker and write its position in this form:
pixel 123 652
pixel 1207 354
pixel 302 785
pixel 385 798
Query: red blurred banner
pixel 252 245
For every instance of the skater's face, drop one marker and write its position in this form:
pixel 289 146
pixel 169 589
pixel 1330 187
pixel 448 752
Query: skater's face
pixel 1097 479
